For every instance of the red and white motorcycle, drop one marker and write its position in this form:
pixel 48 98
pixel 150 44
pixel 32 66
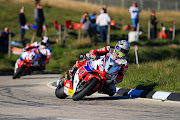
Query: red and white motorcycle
pixel 90 78
pixel 26 62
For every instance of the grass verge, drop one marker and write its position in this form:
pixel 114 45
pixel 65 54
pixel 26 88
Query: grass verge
pixel 157 76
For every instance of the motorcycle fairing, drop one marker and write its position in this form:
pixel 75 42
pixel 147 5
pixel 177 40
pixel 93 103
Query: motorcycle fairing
pixel 98 64
pixel 30 56
pixel 82 76
pixel 89 66
pixel 76 80
pixel 111 66
pixel 23 55
pixel 68 88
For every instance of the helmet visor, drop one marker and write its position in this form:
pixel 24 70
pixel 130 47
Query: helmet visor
pixel 121 52
pixel 124 51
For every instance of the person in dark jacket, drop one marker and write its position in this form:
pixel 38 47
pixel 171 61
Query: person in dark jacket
pixel 39 18
pixel 4 40
pixel 154 22
pixel 86 24
pixel 104 8
pixel 22 22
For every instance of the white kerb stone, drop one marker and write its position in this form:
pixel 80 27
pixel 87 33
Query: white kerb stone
pixel 160 95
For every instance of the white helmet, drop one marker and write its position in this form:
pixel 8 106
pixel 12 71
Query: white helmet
pixel 121 48
pixel 45 41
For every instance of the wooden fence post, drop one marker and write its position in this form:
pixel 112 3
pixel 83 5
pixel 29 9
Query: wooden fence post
pixel 64 36
pixel 137 36
pixel 149 30
pixel 109 34
pixel 45 32
pixel 79 34
pixel 9 46
pixel 33 37
pixel 174 30
pixel 149 25
pixel 59 33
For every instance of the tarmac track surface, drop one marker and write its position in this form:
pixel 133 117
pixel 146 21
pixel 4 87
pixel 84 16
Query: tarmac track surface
pixel 29 98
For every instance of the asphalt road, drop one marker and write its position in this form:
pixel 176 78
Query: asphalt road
pixel 29 98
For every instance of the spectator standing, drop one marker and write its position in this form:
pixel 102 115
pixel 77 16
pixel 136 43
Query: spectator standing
pixel 86 24
pixel 93 27
pixel 39 18
pixel 103 20
pixel 104 8
pixel 4 39
pixel 154 22
pixel 134 10
pixel 22 22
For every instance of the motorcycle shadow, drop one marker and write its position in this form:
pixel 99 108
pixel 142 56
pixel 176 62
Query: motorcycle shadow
pixel 107 98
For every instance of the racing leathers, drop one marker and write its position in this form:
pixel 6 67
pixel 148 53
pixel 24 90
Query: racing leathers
pixel 112 78
pixel 45 52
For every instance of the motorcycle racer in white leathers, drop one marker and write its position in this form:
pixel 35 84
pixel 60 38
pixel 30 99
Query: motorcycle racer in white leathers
pixel 45 50
pixel 117 64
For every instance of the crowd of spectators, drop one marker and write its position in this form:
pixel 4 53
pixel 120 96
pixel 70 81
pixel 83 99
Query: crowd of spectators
pixel 93 25
pixel 6 33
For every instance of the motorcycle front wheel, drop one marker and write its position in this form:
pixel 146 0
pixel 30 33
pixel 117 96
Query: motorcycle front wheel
pixel 89 88
pixel 19 72
pixel 60 93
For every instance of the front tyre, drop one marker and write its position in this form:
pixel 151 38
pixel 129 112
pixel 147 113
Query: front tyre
pixel 60 93
pixel 19 72
pixel 89 88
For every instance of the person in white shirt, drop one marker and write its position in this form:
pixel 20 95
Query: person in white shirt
pixel 103 20
pixel 134 10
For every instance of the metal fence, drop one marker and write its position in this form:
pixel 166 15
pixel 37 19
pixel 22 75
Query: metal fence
pixel 165 5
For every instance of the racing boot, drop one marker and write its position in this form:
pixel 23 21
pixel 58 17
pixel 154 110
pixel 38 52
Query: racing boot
pixel 109 89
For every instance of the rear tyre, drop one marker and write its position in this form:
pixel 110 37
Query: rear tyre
pixel 88 89
pixel 60 93
pixel 19 72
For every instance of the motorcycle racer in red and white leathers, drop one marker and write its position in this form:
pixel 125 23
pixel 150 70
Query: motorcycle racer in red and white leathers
pixel 45 50
pixel 28 58
pixel 117 66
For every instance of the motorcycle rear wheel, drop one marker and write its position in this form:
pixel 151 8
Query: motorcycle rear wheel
pixel 79 95
pixel 19 72
pixel 60 93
